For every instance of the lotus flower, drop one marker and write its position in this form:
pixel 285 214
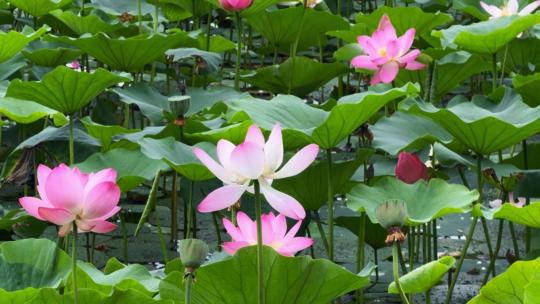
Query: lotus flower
pixel 67 195
pixel 235 5
pixel 274 234
pixel 519 203
pixel 385 53
pixel 509 9
pixel 75 64
pixel 254 159
pixel 410 168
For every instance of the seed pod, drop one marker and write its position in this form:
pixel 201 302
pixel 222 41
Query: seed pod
pixel 192 253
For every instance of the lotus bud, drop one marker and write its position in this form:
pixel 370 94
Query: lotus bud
pixel 192 253
pixel 392 215
pixel 179 106
pixel 410 168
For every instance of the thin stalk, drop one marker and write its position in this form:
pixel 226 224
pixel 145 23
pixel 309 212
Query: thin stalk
pixel 527 229
pixel 161 239
pixel 435 239
pixel 514 239
pixel 317 220
pixel 174 208
pixel 74 263
pixel 463 178
pixel 218 230
pixel 330 206
pixel 428 237
pixel 503 65
pixel 260 268
pixel 208 32
pixel 494 71
pixel 188 284
pixel 395 270
pixel 424 244
pixel 139 15
pixel 238 51
pixel 93 247
pixel 491 265
pixel 126 116
pixel 360 253
pixel 402 260
pixel 376 260
pixel 410 247
pixel 71 142
pixel 488 240
pixel 124 238
pixel 189 227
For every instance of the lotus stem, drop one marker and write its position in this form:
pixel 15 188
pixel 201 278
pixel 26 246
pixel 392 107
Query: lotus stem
pixel 260 285
pixel 514 239
pixel 527 229
pixel 360 254
pixel 188 284
pixel 74 263
pixel 494 72
pixel 71 141
pixel 317 220
pixel 190 223
pixel 215 220
pixel 488 240
pixel 124 237
pixel 139 15
pixel 410 247
pixel 501 80
pixel 330 206
pixel 493 259
pixel 174 208
pixel 395 269
pixel 126 116
pixel 238 51
pixel 435 239
pixel 161 239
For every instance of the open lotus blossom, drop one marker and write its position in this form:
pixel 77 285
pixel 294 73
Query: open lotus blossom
pixel 410 168
pixel 520 202
pixel 75 64
pixel 255 159
pixel 385 53
pixel 509 9
pixel 67 196
pixel 274 234
pixel 235 5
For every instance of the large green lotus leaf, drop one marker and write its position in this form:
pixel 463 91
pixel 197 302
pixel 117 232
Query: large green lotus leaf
pixel 354 110
pixel 522 57
pixel 297 119
pixel 527 87
pixel 255 8
pixel 195 8
pixel 482 125
pixel 34 263
pixel 13 42
pixel 149 100
pixel 202 99
pixel 64 89
pixel 404 18
pixel 473 7
pixel 58 134
pixel 351 35
pixel 234 133
pixel 486 37
pixel 532 162
pixel 298 76
pixel 212 59
pixel 178 155
pixel 18 297
pixel 299 280
pixel 311 190
pixel 50 54
pixel 132 166
pixel 115 7
pixel 127 54
pixel 24 111
pixel 376 235
pixel 532 292
pixel 403 131
pixel 282 27
pixel 104 133
pixel 38 8
pixel 424 277
pixel 8 68
pixel 509 287
pixel 527 215
pixel 453 68
pixel 218 44
pixel 75 25
pixel 90 296
pixel 425 200
pixel 8 219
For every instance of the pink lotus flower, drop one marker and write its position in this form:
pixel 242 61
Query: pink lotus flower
pixel 386 53
pixel 255 159
pixel 509 9
pixel 75 65
pixel 519 203
pixel 274 234
pixel 67 195
pixel 235 5
pixel 410 168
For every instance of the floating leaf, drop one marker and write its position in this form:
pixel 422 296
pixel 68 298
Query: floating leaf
pixel 34 263
pixel 132 166
pixel 423 278
pixel 424 200
pixel 482 125
pixel 64 89
pixel 510 286
pixel 298 76
pixel 486 37
pixel 296 280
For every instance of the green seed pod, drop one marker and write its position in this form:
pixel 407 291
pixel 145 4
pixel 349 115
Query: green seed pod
pixel 192 253
pixel 392 213
pixel 179 105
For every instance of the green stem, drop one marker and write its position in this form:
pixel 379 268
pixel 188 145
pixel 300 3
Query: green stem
pixel 215 220
pixel 124 238
pixel 410 247
pixel 488 240
pixel 494 71
pixel 527 229
pixel 514 239
pixel 188 284
pixel 330 205
pixel 190 210
pixel 74 263
pixel 238 51
pixel 161 239
pixel 139 15
pixel 174 208
pixel 126 116
pixel 360 254
pixel 395 269
pixel 503 65
pixel 491 266
pixel 71 141
pixel 435 240
pixel 258 211
pixel 317 219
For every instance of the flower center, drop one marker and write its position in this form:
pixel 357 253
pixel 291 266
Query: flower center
pixel 382 52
